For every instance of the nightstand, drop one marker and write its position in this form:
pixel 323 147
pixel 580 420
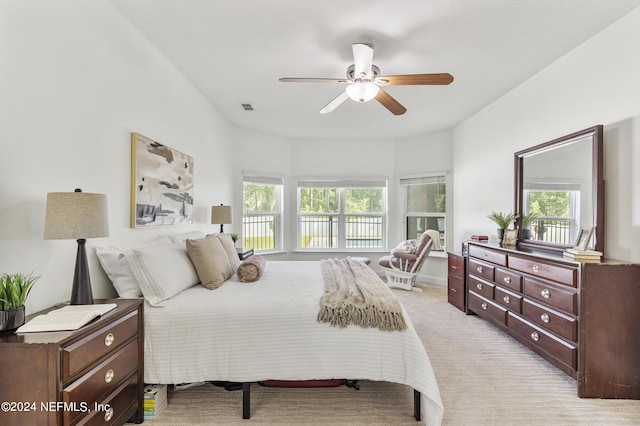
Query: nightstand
pixel 244 253
pixel 456 281
pixel 93 375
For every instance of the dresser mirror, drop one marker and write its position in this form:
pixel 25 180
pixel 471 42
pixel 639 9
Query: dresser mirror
pixel 562 183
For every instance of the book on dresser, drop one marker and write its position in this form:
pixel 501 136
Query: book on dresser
pixel 583 255
pixel 70 317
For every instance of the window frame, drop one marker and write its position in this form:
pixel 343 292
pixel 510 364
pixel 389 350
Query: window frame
pixel 341 215
pixel 424 179
pixel 278 182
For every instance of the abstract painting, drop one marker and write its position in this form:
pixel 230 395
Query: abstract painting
pixel 161 184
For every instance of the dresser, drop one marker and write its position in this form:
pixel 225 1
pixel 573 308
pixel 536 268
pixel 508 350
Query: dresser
pixel 581 317
pixel 93 375
pixel 456 280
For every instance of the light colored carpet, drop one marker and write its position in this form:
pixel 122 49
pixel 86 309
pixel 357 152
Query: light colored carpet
pixel 485 378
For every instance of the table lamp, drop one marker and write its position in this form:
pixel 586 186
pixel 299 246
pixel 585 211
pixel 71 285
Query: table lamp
pixel 221 215
pixel 77 215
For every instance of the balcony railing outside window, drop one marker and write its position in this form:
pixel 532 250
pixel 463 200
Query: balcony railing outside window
pixel 322 231
pixel 259 231
pixel 552 230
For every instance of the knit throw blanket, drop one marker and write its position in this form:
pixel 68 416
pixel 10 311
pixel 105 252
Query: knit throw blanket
pixel 355 295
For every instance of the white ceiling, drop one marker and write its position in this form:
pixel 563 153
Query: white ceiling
pixel 234 51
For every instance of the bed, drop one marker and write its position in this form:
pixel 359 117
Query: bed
pixel 268 330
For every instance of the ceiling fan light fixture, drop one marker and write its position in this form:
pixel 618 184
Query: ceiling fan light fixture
pixel 362 91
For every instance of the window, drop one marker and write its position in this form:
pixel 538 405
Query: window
pixel 342 214
pixel 425 205
pixel 555 204
pixel 262 212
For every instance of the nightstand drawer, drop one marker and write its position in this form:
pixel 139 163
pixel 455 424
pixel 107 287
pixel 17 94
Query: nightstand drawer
pixel 84 353
pixel 101 380
pixel 116 408
pixel 456 266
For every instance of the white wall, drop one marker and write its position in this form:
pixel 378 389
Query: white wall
pixel 344 158
pixel 596 83
pixel 76 79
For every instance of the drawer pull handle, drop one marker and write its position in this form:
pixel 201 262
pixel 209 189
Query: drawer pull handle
pixel 544 317
pixel 109 375
pixel 535 268
pixel 479 269
pixel 484 306
pixel 507 280
pixel 454 267
pixel 545 293
pixel 108 339
pixel 535 336
pixel 506 299
pixel 108 415
pixel 479 286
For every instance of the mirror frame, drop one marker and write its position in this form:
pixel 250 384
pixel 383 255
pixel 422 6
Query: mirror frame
pixel 596 133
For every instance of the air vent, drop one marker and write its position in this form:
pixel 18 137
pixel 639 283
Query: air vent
pixel 247 107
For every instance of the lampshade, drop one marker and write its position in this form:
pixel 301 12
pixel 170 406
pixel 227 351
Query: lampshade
pixel 220 214
pixel 76 215
pixel 362 92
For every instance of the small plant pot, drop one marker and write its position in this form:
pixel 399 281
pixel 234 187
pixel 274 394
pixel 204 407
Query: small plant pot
pixel 500 234
pixel 11 320
pixel 526 234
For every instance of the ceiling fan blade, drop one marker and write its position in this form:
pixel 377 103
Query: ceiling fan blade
pixel 409 79
pixel 312 80
pixel 334 103
pixel 390 103
pixel 362 59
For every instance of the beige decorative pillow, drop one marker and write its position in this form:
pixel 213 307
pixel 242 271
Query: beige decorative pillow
pixel 251 269
pixel 230 249
pixel 210 261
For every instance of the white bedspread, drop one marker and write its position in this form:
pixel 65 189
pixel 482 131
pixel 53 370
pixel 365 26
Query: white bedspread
pixel 246 332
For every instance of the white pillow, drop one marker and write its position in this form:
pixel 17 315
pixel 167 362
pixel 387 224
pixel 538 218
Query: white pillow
pixel 161 271
pixel 117 268
pixel 181 238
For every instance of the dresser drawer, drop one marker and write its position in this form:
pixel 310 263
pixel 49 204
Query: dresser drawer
pixel 487 309
pixel 82 354
pixel 541 340
pixel 508 299
pixel 556 322
pixel 566 275
pixel 488 254
pixel 549 294
pixel 481 287
pixel 117 407
pixel 509 279
pixel 481 269
pixel 456 266
pixel 102 379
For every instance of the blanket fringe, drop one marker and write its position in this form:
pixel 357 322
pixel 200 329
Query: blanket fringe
pixel 356 298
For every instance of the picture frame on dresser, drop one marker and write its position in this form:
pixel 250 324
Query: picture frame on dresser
pixel 583 239
pixel 510 237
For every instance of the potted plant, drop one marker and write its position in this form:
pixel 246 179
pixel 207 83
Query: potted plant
pixel 234 237
pixel 14 289
pixel 527 220
pixel 503 220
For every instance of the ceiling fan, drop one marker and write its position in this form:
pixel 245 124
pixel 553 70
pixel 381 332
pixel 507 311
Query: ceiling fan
pixel 364 82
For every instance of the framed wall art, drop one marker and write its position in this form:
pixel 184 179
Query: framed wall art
pixel 161 184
